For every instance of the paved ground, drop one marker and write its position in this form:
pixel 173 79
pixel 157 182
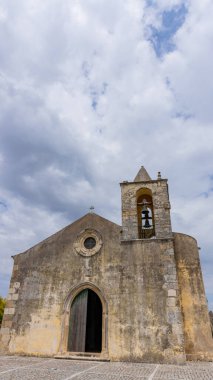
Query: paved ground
pixel 23 368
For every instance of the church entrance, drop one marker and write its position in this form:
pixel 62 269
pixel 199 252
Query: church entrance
pixel 85 325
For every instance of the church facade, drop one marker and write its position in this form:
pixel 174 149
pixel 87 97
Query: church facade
pixel 123 293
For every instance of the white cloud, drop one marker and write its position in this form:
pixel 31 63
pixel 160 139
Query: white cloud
pixel 85 101
pixel 189 66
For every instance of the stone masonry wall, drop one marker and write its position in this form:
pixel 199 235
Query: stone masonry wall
pixel 9 311
pixel 149 312
pixel 161 207
pixel 46 274
pixel 197 329
pixel 136 279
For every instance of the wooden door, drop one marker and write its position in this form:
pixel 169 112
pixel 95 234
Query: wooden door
pixel 78 321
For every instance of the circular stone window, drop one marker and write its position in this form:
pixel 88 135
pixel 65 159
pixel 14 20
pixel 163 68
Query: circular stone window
pixel 88 242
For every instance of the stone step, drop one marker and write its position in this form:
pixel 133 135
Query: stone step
pixel 83 356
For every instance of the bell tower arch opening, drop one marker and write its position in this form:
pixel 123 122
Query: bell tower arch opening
pixel 145 214
pixel 145 208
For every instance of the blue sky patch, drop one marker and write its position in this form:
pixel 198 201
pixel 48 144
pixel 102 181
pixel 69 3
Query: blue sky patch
pixel 183 115
pixel 161 38
pixel 95 94
pixel 94 98
pixel 204 194
pixel 3 205
pixel 94 103
pixel 86 69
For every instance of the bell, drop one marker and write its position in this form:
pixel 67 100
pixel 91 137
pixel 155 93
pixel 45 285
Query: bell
pixel 146 219
pixel 147 224
pixel 145 213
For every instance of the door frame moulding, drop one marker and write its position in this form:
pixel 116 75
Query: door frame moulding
pixel 65 320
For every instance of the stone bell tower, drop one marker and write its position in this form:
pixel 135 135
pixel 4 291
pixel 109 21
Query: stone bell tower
pixel 145 208
pixel 147 242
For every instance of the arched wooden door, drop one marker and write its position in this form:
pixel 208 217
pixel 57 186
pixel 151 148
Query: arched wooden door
pixel 85 324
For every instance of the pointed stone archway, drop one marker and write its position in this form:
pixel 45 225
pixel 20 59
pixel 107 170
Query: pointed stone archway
pixel 84 322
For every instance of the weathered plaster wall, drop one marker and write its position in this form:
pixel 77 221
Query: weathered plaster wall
pixel 197 330
pixel 149 312
pixel 137 280
pixel 45 275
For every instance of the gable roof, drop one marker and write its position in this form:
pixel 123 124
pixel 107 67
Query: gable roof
pixel 90 219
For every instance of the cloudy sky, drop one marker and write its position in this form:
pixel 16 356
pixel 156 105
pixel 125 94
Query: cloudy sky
pixel 90 91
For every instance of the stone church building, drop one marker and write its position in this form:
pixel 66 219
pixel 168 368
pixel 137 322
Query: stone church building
pixel 123 293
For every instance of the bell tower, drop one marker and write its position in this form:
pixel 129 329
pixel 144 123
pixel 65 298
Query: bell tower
pixel 147 245
pixel 145 208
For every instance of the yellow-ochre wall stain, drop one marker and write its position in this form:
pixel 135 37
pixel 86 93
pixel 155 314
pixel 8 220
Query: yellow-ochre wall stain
pixel 41 336
pixel 197 331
